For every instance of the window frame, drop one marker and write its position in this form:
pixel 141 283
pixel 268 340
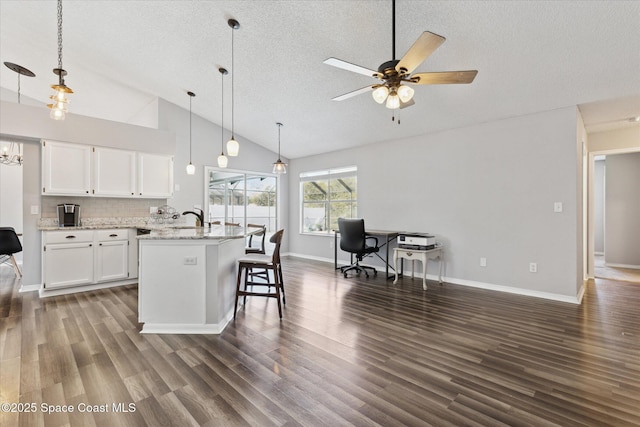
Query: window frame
pixel 327 175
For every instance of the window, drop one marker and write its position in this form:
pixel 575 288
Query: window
pixel 244 198
pixel 326 196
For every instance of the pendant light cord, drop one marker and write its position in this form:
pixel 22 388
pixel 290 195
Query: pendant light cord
pixel 222 114
pixel 60 34
pixel 233 73
pixel 190 96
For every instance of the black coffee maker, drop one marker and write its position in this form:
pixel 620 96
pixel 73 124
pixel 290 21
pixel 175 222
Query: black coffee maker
pixel 68 215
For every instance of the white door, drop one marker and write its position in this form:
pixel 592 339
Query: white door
pixel 114 172
pixel 66 168
pixel 112 260
pixel 155 175
pixel 68 264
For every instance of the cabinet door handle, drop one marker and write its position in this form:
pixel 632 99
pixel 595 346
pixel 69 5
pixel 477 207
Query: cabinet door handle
pixel 113 235
pixel 70 237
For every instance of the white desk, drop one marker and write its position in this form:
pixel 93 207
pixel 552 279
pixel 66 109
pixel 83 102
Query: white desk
pixel 422 255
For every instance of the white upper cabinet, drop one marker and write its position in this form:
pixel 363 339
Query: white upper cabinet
pixel 114 172
pixel 81 170
pixel 66 169
pixel 155 175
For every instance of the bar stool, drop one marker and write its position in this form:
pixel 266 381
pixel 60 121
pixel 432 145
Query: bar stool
pixel 264 262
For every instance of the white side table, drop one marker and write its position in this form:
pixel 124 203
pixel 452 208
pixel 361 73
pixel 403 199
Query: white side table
pixel 421 255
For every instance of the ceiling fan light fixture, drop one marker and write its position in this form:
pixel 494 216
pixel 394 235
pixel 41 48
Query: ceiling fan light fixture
pixel 405 93
pixel 380 94
pixel 393 101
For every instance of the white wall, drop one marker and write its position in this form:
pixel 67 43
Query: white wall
pixel 622 222
pixel 598 202
pixel 485 191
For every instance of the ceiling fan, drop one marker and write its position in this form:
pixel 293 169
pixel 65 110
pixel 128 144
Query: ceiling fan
pixel 395 75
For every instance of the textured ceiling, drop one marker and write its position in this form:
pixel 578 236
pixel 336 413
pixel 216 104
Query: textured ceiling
pixel 532 56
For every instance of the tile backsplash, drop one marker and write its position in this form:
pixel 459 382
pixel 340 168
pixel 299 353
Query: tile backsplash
pixel 101 207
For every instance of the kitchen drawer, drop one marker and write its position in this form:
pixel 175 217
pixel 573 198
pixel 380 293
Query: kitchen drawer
pixel 68 236
pixel 114 234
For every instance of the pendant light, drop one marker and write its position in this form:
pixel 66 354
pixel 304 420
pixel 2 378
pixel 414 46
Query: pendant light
pixel 60 101
pixel 190 168
pixel 11 152
pixel 232 145
pixel 279 166
pixel 222 159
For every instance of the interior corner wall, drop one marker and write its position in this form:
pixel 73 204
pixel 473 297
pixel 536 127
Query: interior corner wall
pixel 599 213
pixel 205 148
pixel 622 204
pixel 485 191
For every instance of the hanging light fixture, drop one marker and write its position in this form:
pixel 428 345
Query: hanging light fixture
pixel 11 152
pixel 232 145
pixel 190 168
pixel 60 101
pixel 222 159
pixel 279 166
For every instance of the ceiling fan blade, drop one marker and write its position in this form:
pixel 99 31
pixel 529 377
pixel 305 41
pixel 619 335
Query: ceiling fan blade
pixel 353 93
pixel 335 62
pixel 444 77
pixel 409 103
pixel 421 49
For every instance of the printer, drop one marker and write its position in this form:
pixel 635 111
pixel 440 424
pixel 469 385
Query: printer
pixel 416 241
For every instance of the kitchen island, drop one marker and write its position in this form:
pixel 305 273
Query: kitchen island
pixel 187 278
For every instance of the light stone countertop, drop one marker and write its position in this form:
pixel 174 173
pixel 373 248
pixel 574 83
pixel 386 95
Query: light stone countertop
pixel 51 224
pixel 215 232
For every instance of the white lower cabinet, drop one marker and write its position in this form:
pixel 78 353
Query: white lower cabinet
pixel 112 255
pixel 68 264
pixel 83 257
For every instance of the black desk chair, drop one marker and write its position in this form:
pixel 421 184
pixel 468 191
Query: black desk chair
pixel 353 239
pixel 9 245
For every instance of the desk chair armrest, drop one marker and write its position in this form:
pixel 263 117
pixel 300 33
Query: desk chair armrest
pixel 374 238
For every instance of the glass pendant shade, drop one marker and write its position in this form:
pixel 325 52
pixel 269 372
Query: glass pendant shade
pixel 380 94
pixel 393 101
pixel 222 161
pixel 405 93
pixel 233 147
pixel 191 169
pixel 279 167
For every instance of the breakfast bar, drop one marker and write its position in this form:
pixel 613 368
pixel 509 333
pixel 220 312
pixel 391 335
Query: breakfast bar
pixel 187 278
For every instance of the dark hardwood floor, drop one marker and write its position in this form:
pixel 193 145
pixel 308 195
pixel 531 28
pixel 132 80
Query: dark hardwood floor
pixel 348 352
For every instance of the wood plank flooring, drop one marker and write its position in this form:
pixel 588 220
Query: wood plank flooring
pixel 351 351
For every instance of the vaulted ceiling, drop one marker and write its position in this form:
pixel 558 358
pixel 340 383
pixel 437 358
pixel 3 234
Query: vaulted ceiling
pixel 531 56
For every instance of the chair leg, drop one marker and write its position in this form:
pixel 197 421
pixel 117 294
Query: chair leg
pixel 284 300
pixel 15 267
pixel 277 286
pixel 235 306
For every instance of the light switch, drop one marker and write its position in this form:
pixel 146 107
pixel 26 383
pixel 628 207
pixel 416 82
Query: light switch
pixel 176 187
pixel 35 210
pixel 557 207
pixel 483 262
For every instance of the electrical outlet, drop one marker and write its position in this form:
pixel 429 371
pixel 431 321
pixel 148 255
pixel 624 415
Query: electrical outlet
pixel 533 267
pixel 153 209
pixel 190 260
pixel 557 207
pixel 483 262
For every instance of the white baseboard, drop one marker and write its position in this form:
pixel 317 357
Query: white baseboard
pixel 30 288
pixel 86 288
pixel 474 284
pixel 611 264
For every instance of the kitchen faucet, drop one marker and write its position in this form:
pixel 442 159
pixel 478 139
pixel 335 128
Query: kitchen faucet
pixel 199 216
